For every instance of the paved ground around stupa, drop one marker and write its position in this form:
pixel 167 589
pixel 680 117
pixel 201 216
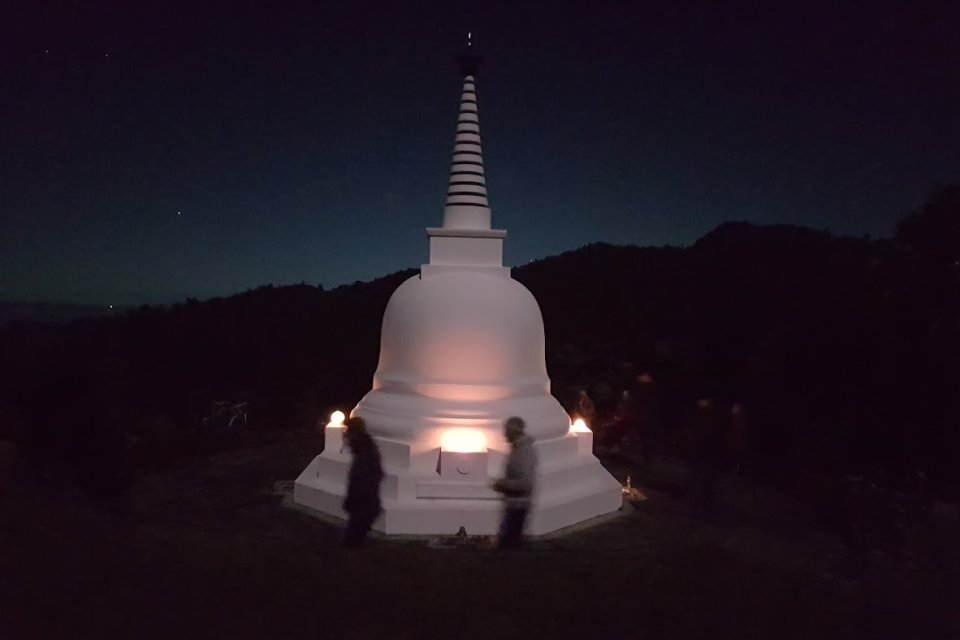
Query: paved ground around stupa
pixel 207 550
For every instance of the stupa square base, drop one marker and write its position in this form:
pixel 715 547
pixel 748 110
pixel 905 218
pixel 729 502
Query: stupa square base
pixel 572 486
pixel 433 516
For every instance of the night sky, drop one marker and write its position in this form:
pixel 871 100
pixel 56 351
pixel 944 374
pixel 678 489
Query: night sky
pixel 153 151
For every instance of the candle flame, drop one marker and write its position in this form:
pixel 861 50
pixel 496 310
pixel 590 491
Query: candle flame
pixel 579 426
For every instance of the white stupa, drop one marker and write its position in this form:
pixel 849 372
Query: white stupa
pixel 462 350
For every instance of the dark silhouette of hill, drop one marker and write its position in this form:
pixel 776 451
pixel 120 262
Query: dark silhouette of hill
pixel 780 320
pixel 805 350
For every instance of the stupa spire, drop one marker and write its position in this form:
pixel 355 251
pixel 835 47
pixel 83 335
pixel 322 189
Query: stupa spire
pixel 466 241
pixel 467 206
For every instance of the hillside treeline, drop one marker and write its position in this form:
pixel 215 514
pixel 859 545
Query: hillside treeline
pixel 794 349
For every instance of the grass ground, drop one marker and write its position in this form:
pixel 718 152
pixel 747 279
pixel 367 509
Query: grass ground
pixel 207 550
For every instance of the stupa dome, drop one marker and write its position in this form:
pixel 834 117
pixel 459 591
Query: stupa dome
pixel 461 344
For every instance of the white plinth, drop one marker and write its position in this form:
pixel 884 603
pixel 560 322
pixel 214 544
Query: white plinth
pixel 436 492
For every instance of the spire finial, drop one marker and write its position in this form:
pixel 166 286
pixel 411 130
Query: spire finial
pixel 469 60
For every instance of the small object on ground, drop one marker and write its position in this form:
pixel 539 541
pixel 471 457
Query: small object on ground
pixel 283 486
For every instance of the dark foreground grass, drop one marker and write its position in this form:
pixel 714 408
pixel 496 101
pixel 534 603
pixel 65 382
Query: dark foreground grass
pixel 208 551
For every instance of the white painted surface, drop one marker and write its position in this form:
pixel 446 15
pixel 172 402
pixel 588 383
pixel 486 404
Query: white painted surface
pixel 467 251
pixel 462 350
pixel 571 488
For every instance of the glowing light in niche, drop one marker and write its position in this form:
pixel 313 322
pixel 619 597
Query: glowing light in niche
pixel 463 440
pixel 336 419
pixel 579 426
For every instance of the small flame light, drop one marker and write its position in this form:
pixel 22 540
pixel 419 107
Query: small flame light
pixel 336 419
pixel 463 440
pixel 579 426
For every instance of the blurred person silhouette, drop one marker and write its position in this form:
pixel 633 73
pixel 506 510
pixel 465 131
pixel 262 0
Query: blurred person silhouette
pixel 739 440
pixel 362 502
pixel 707 445
pixel 624 418
pixel 647 432
pixel 517 484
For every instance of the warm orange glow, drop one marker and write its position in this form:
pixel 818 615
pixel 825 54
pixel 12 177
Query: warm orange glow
pixel 463 440
pixel 336 419
pixel 579 426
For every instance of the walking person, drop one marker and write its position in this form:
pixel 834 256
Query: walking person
pixel 362 502
pixel 707 446
pixel 517 484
